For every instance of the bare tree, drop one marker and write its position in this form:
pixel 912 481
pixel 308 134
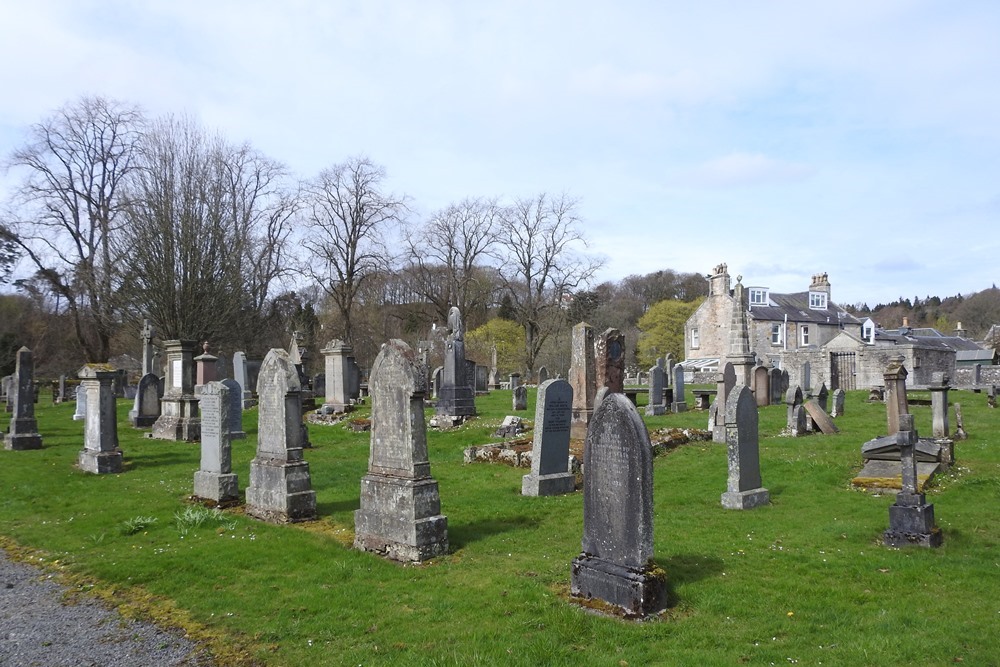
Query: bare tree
pixel 447 256
pixel 67 209
pixel 208 225
pixel 348 216
pixel 539 250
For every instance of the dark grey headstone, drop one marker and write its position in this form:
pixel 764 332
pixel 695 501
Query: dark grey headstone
pixel 22 433
pixel 147 402
pixel 519 398
pixel 550 474
pixel 615 563
pixel 234 421
pixel 839 396
pixel 657 383
pixel 744 489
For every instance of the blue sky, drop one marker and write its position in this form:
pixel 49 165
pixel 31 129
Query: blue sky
pixel 859 138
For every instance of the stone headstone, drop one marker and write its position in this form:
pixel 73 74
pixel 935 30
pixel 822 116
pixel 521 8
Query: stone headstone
pixel 823 396
pixel 543 374
pixel 319 384
pixel 761 386
pixel 806 377
pixel 215 480
pixel 817 415
pixel 81 404
pixel 774 384
pixel 9 390
pixel 550 474
pixel 61 396
pixel 582 377
pixel 148 354
pixel 146 409
pixel 280 489
pixel 436 381
pixel 609 355
pixel 911 518
pixel 241 376
pixel 895 394
pixel 617 547
pixel 337 377
pixel 482 379
pixel 178 418
pixel 939 405
pixel 22 432
pixel 400 515
pixel 456 399
pixel 515 381
pixel 726 382
pixel 744 490
pixel 657 383
pixel 519 398
pixel 960 433
pixel 679 404
pixel 101 453
pixel 839 397
pixel 234 425
pixel 796 419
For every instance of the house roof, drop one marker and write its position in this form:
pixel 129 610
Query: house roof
pixel 796 307
pixel 928 335
pixel 975 355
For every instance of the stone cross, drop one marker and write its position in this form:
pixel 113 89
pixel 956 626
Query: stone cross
pixel 911 518
pixel 550 474
pixel 215 480
pixel 101 453
pixel 744 490
pixel 147 347
pixel 617 547
pixel 400 515
pixel 22 433
pixel 280 489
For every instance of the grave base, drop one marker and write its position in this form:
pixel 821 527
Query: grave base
pixel 186 429
pixel 679 407
pixel 400 518
pixel 142 421
pixel 223 488
pixel 280 492
pixel 101 463
pixel 637 592
pixel 655 410
pixel 22 441
pixel 912 524
pixel 745 500
pixel 548 485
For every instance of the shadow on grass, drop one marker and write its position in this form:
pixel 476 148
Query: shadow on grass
pixel 164 457
pixel 686 569
pixel 330 508
pixel 461 535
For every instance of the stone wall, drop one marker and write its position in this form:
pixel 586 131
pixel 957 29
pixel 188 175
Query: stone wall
pixel 964 376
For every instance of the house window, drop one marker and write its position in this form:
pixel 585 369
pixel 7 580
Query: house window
pixel 867 335
pixel 804 332
pixel 776 334
pixel 817 300
pixel 695 342
pixel 758 296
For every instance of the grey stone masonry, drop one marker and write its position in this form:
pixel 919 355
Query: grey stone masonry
pixel 582 377
pixel 280 489
pixel 400 515
pixel 550 474
pixel 615 564
pixel 146 409
pixel 101 453
pixel 519 398
pixel 740 354
pixel 178 418
pixel 338 380
pixel 22 433
pixel 215 480
pixel 744 490
pixel 456 399
pixel 609 356
pixel 911 518
pixel 939 405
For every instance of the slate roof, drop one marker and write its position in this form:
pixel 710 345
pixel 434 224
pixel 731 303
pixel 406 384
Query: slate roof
pixel 796 307
pixel 926 337
pixel 975 355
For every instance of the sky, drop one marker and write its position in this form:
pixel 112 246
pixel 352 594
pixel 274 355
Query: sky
pixel 784 138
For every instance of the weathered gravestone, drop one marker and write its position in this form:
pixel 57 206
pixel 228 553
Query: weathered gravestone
pixel 609 355
pixel 400 516
pixel 725 384
pixel 101 453
pixel 482 379
pixel 146 409
pixel 234 423
pixel 806 377
pixel 679 404
pixel 796 418
pixel 337 377
pixel 543 374
pixel 744 490
pixel 241 376
pixel 774 384
pixel 519 397
pixel 761 386
pixel 456 398
pixel 657 382
pixel 550 474
pixel 582 377
pixel 9 390
pixel 839 397
pixel 81 404
pixel 615 564
pixel 939 405
pixel 911 518
pixel 515 381
pixel 22 433
pixel 816 417
pixel 215 480
pixel 178 418
pixel 61 396
pixel 436 381
pixel 280 489
pixel 895 394
pixel 823 396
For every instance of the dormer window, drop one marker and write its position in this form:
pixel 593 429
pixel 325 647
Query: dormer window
pixel 817 300
pixel 757 296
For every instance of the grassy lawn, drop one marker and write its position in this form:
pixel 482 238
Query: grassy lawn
pixel 803 580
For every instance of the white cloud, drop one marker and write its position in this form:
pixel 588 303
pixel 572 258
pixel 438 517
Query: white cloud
pixel 745 169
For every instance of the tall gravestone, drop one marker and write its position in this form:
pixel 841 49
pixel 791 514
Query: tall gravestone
pixel 148 354
pixel 101 453
pixel 280 489
pixel 337 379
pixel 436 381
pixel 724 387
pixel 22 432
pixel 582 378
pixel 744 490
pixel 400 515
pixel 9 391
pixel 823 396
pixel 519 398
pixel 911 518
pixel 178 418
pixel 550 474
pixel 939 405
pixel 657 382
pixel 215 480
pixel 456 399
pixel 761 388
pixel 146 409
pixel 81 404
pixel 679 404
pixel 615 564
pixel 234 423
pixel 895 394
pixel 806 377
pixel 609 354
pixel 61 397
pixel 774 384
pixel 240 375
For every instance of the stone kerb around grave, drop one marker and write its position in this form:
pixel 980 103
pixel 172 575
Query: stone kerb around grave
pixel 615 564
pixel 550 473
pixel 280 489
pixel 400 515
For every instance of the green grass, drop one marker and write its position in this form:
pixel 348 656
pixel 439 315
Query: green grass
pixel 803 580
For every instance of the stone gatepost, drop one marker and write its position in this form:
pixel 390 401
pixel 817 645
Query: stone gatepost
pixel 550 474
pixel 22 433
pixel 178 418
pixel 615 564
pixel 911 518
pixel 895 394
pixel 582 378
pixel 215 480
pixel 400 515
pixel 280 489
pixel 101 453
pixel 337 378
pixel 744 490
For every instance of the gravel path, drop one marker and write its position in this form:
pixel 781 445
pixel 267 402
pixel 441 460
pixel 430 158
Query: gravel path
pixel 37 628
